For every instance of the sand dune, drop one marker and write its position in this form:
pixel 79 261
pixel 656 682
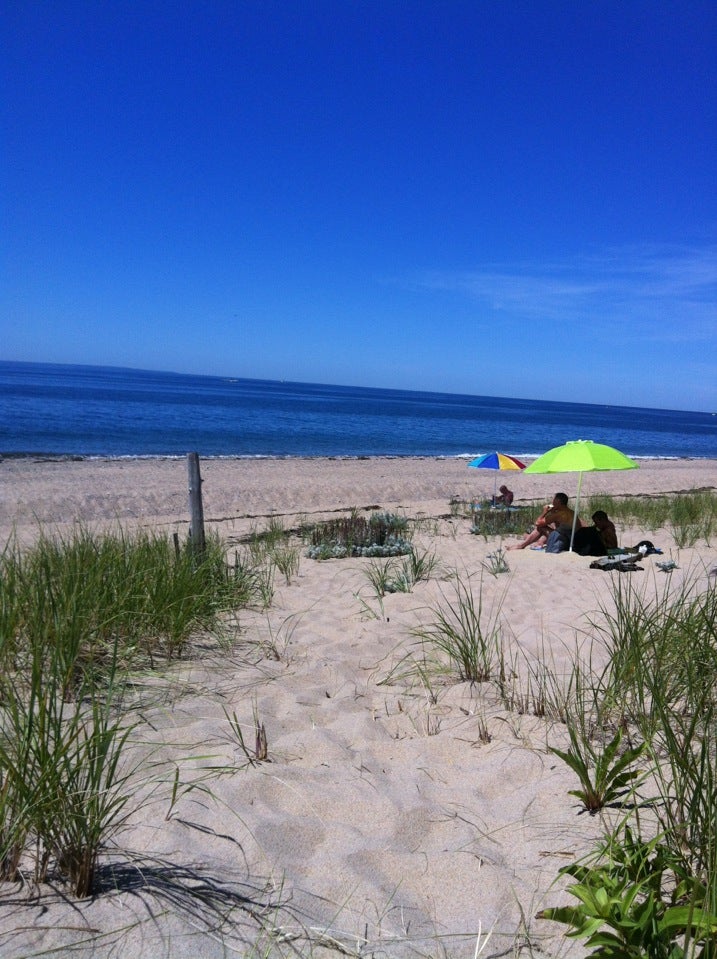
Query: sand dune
pixel 394 817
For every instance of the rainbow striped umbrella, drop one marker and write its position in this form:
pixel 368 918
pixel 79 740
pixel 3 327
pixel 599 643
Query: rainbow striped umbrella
pixel 496 461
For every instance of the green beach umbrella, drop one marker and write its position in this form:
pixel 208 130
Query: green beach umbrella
pixel 580 456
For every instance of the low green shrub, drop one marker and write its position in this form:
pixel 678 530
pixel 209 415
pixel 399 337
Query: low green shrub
pixel 638 900
pixel 381 534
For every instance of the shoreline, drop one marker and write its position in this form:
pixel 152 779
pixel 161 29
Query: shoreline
pixel 240 457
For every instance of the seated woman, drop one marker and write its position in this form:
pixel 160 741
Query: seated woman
pixel 596 540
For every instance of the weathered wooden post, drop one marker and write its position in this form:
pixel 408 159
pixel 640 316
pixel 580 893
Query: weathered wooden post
pixel 196 510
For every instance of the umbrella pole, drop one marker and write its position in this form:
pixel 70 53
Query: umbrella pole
pixel 575 513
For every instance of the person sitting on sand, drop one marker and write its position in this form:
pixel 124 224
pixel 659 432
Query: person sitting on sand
pixel 596 540
pixel 553 516
pixel 505 498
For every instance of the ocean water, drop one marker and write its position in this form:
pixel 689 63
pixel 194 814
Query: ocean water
pixel 83 411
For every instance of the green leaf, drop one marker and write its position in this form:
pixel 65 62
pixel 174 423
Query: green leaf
pixel 574 762
pixel 678 918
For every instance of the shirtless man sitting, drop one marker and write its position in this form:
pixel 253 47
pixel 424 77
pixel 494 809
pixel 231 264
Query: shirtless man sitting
pixel 555 514
pixel 505 498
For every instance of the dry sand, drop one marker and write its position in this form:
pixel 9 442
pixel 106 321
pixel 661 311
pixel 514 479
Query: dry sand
pixel 384 824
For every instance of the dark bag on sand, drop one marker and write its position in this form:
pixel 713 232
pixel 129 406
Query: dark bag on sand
pixel 588 542
pixel 646 548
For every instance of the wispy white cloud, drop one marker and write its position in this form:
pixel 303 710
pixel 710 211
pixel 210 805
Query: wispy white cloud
pixel 664 293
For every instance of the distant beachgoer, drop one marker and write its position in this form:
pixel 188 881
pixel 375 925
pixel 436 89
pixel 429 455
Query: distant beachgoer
pixel 554 515
pixel 505 498
pixel 596 540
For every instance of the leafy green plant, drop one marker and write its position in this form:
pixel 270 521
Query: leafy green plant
pixel 604 773
pixel 638 901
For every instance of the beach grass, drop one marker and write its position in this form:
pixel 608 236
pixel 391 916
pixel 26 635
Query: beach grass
pixel 130 597
pixel 650 887
pixel 464 633
pixel 690 516
pixel 62 769
pixel 642 743
pixel 78 614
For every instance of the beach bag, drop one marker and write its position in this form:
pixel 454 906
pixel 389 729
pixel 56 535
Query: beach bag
pixel 557 542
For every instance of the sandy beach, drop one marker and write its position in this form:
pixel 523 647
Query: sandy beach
pixel 394 817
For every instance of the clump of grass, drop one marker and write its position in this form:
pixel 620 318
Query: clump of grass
pixel 287 560
pixel 466 634
pixel 65 784
pixel 391 576
pixel 499 522
pixel 257 574
pixel 259 751
pixel 421 566
pixel 265 544
pixel 497 562
pixel 76 615
pixel 381 577
pixel 381 534
pixel 133 597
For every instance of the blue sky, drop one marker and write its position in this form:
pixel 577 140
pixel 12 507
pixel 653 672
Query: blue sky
pixel 494 197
